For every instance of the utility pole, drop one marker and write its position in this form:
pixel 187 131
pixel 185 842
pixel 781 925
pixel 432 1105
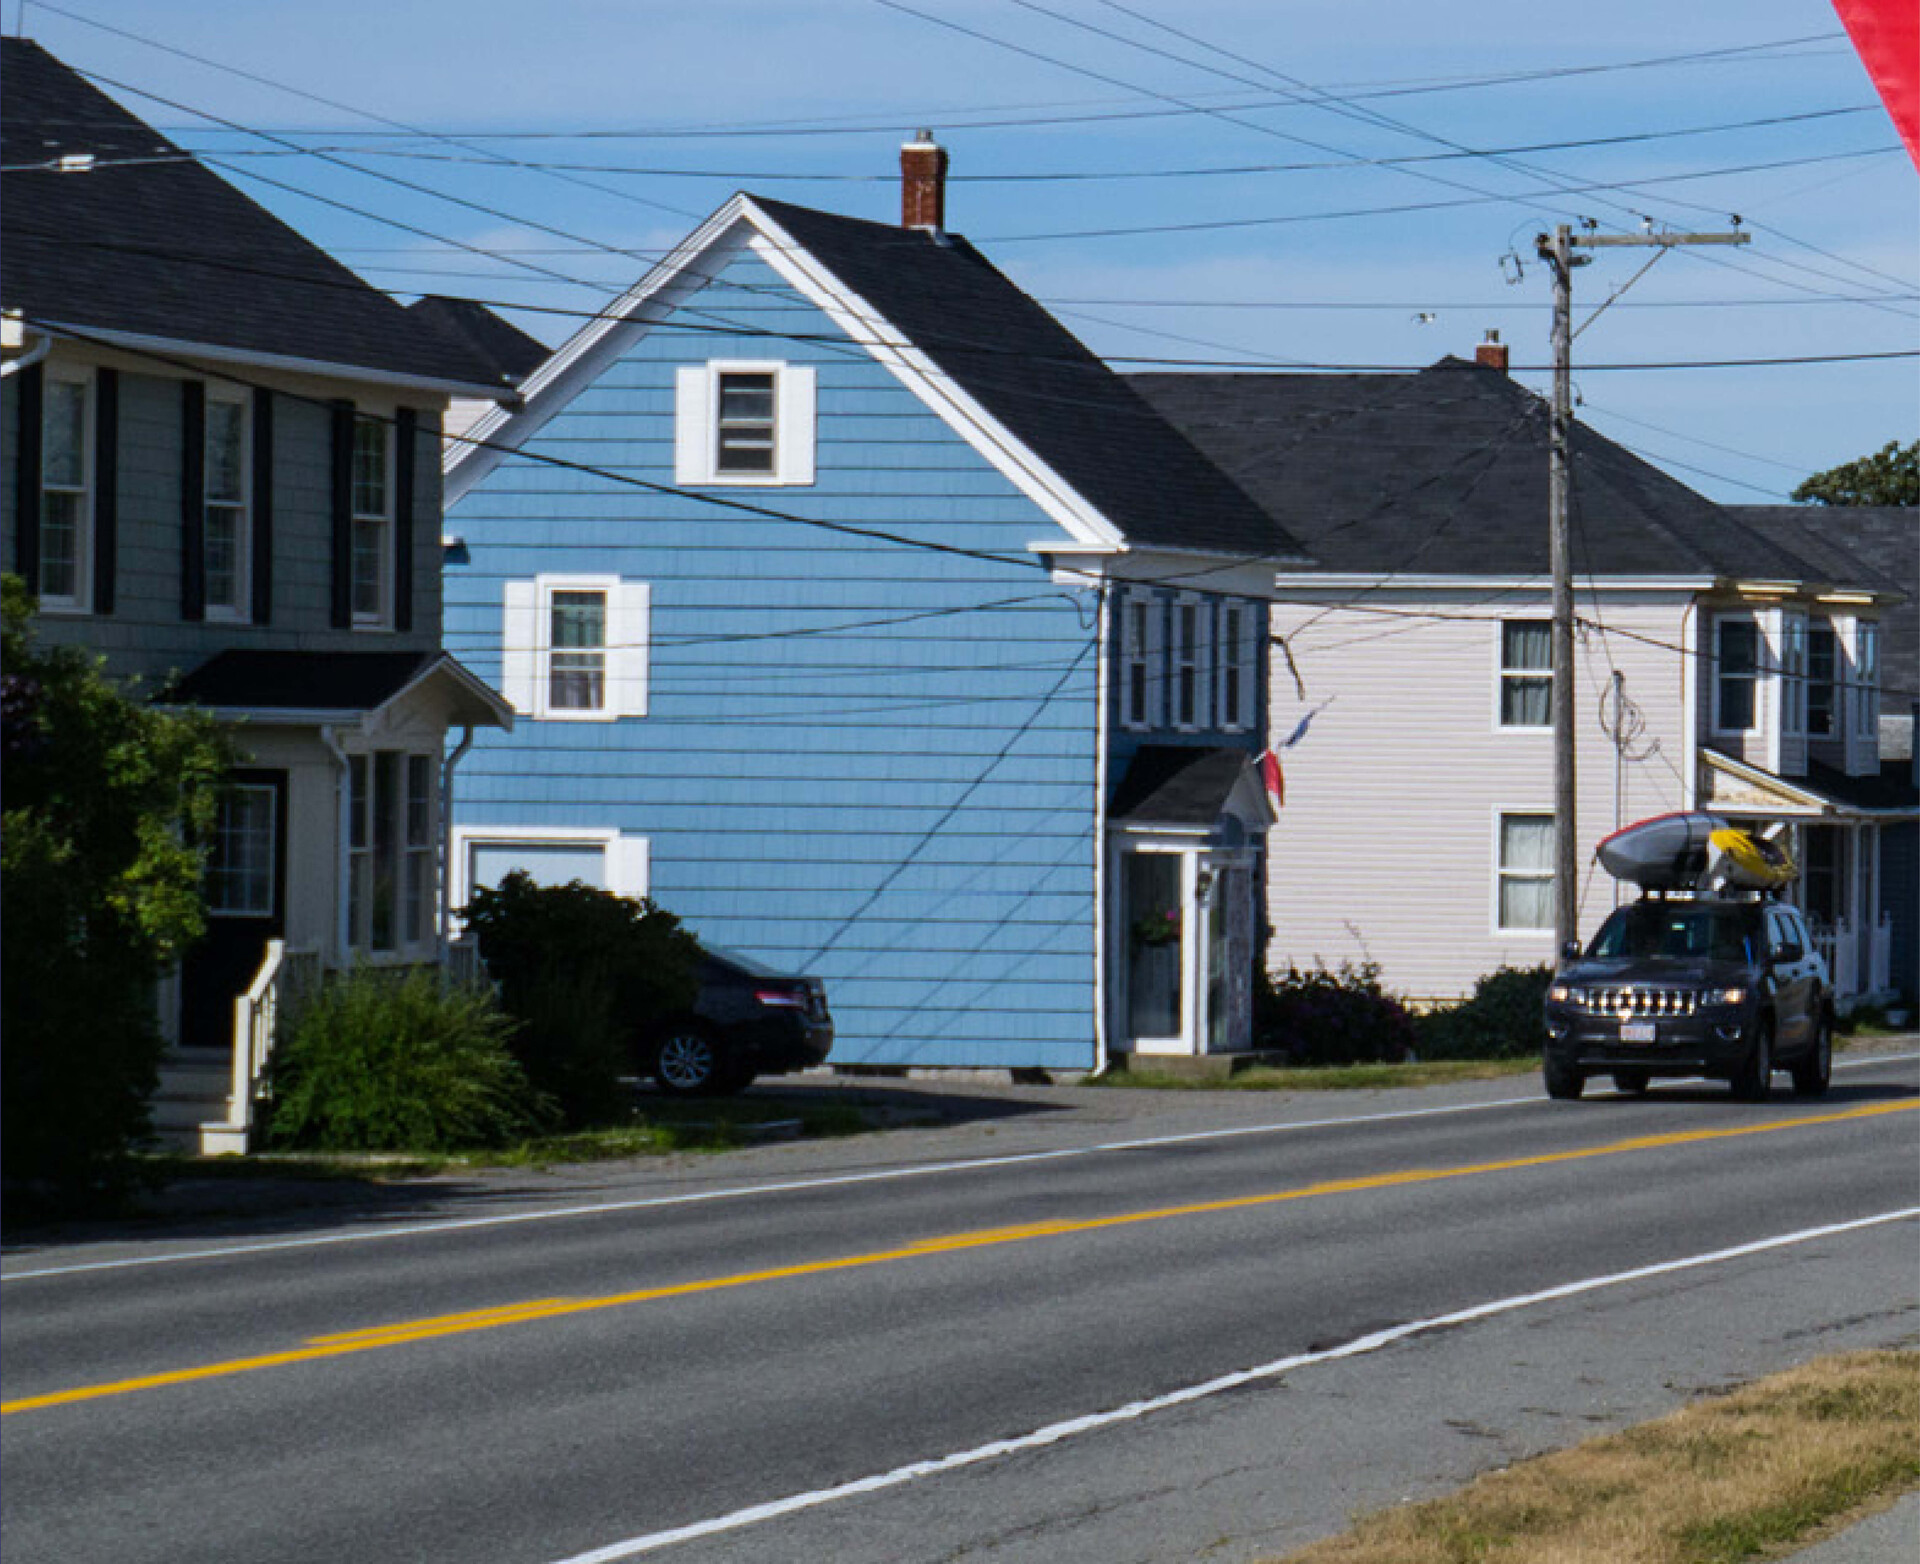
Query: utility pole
pixel 1559 251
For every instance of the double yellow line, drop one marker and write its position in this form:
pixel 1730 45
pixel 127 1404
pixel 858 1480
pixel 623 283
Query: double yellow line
pixel 376 1337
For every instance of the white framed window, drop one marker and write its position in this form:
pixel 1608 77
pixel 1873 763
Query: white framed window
pixel 1793 674
pixel 1237 652
pixel 66 490
pixel 1523 891
pixel 390 851
pixel 1736 674
pixel 483 855
pixel 1823 678
pixel 226 527
pixel 240 876
pixel 1192 627
pixel 1143 679
pixel 372 522
pixel 1865 682
pixel 575 648
pixel 746 422
pixel 1526 674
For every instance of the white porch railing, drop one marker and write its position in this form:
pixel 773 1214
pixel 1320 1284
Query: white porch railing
pixel 1861 963
pixel 283 975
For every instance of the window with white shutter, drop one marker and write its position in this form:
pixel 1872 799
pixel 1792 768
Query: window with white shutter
pixel 744 423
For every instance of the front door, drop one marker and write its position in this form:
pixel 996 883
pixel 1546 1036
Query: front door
pixel 246 905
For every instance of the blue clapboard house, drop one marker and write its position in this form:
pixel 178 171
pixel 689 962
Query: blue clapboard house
pixel 854 612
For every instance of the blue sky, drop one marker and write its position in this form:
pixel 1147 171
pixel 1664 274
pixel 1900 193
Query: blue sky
pixel 1214 182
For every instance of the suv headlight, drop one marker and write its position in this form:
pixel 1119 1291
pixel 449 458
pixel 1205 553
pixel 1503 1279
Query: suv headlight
pixel 1728 996
pixel 1560 993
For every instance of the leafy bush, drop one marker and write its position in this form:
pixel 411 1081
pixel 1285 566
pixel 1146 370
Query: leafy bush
pixel 583 971
pixel 397 1061
pixel 106 803
pixel 1505 1018
pixel 1323 1017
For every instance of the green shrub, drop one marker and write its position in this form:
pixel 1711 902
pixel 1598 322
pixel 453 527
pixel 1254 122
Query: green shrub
pixel 1323 1017
pixel 583 971
pixel 397 1061
pixel 1505 1019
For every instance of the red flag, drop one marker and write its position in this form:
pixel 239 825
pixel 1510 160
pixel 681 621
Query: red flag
pixel 1274 777
pixel 1886 36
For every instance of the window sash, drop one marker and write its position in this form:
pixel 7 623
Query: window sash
pixel 372 521
pixel 224 505
pixel 745 422
pixel 1525 872
pixel 390 885
pixel 1186 664
pixel 66 470
pixel 1737 660
pixel 1823 666
pixel 1866 679
pixel 240 866
pixel 1526 673
pixel 1232 670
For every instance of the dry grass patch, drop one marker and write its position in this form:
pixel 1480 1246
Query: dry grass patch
pixel 1745 1476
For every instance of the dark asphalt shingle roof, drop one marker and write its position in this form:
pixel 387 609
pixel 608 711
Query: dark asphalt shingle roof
pixel 300 681
pixel 1871 546
pixel 1444 472
pixel 507 350
pixel 1037 379
pixel 1171 784
pixel 150 242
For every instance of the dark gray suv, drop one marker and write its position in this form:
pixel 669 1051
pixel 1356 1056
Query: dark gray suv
pixel 1731 989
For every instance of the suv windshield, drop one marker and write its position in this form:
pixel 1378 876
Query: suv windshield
pixel 1676 929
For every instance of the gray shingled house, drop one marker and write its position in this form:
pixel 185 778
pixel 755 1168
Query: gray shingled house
pixel 222 452
pixel 1722 664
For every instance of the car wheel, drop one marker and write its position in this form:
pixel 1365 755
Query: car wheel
pixel 688 1064
pixel 1812 1073
pixel 1753 1081
pixel 1564 1082
pixel 1632 1082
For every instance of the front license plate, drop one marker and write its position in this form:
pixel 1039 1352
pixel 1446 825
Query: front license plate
pixel 1638 1031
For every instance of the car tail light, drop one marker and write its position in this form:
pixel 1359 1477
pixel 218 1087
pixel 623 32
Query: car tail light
pixel 781 998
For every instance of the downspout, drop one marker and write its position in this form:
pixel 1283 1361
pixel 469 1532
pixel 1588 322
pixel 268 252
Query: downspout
pixel 1102 724
pixel 446 839
pixel 343 836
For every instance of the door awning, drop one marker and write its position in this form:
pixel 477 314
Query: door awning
pixel 1191 789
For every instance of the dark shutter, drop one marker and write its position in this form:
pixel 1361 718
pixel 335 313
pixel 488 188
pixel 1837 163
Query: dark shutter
pixel 106 484
pixel 342 515
pixel 261 550
pixel 406 426
pixel 26 510
pixel 193 499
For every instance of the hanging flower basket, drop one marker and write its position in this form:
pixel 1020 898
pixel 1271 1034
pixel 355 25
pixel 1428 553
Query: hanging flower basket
pixel 1157 928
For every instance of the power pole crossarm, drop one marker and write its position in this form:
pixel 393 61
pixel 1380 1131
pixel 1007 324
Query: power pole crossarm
pixel 1558 250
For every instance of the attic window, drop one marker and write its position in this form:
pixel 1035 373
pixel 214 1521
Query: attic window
pixel 747 423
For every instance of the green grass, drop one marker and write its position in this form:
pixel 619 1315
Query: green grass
pixel 1324 1078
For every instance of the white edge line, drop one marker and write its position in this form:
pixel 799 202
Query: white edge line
pixel 1054 1433
pixel 881 1176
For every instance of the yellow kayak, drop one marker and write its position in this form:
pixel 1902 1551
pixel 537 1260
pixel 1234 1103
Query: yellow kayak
pixel 1748 860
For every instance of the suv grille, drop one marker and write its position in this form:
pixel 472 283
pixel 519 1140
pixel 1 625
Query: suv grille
pixel 1634 1003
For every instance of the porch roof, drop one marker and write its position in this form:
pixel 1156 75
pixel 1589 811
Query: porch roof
pixel 1889 793
pixel 334 687
pixel 1186 787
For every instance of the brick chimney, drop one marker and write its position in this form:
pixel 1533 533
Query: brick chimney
pixel 1492 354
pixel 923 184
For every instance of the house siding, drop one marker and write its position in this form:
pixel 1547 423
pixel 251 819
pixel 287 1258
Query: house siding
pixel 867 761
pixel 146 634
pixel 1386 850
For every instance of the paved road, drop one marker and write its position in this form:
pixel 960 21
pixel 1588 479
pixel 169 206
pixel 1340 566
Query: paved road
pixel 1080 1325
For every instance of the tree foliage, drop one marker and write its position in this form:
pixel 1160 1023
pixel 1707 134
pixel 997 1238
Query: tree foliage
pixel 1891 476
pixel 107 802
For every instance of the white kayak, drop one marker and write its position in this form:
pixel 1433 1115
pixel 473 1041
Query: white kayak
pixel 1666 853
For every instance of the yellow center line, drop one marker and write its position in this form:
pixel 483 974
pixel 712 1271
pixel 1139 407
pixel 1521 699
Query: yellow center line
pixel 373 1338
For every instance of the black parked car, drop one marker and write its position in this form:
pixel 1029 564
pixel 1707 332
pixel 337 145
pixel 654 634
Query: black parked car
pixel 1723 988
pixel 747 1020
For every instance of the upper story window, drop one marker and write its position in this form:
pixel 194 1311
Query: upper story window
pixel 372 521
pixel 66 491
pixel 1823 677
pixel 574 648
pixel 226 531
pixel 1865 683
pixel 1237 652
pixel 1736 670
pixel 1793 674
pixel 1526 673
pixel 1189 661
pixel 1142 679
pixel 747 422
